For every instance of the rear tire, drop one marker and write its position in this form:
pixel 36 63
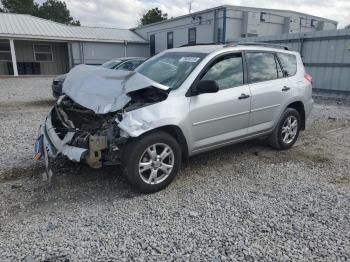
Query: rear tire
pixel 287 130
pixel 151 161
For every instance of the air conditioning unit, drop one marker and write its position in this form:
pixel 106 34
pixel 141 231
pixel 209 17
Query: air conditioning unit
pixel 314 23
pixel 320 26
pixel 291 25
pixel 263 17
pixel 251 23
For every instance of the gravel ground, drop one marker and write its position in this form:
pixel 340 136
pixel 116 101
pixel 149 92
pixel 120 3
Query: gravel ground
pixel 244 202
pixel 24 103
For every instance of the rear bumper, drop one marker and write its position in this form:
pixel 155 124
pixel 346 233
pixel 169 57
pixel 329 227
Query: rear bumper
pixel 56 146
pixel 308 107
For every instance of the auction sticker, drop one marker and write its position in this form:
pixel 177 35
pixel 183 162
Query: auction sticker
pixel 189 59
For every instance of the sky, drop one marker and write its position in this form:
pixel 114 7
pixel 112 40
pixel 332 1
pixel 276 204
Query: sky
pixel 127 13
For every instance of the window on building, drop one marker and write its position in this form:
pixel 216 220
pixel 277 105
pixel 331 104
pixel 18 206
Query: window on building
pixel 152 44
pixel 249 35
pixel 43 53
pixel 170 40
pixel 5 51
pixel 192 36
pixel 261 67
pixel 227 71
pixel 219 37
pixel 289 63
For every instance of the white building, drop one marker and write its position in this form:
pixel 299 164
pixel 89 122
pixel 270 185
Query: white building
pixel 34 46
pixel 228 23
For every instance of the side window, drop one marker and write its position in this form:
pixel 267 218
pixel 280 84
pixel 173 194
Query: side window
pixel 43 53
pixel 261 67
pixel 136 63
pixel 126 66
pixel 226 71
pixel 5 51
pixel 289 63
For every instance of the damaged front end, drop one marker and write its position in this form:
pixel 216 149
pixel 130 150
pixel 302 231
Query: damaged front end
pixel 92 123
pixel 97 139
pixel 80 134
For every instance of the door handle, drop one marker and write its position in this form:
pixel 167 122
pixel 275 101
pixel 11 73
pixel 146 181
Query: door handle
pixel 243 96
pixel 285 88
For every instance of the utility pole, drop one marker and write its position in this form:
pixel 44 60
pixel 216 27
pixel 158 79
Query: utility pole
pixel 189 3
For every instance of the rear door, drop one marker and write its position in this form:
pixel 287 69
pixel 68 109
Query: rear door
pixel 269 90
pixel 222 116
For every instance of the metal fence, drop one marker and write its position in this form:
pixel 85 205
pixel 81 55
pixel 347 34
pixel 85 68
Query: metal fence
pixel 326 55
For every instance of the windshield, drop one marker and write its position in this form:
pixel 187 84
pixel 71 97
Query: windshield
pixel 170 69
pixel 111 64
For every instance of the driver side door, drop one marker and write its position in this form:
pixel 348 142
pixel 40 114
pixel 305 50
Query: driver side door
pixel 218 118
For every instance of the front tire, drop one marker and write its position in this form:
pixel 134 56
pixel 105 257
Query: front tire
pixel 287 130
pixel 151 161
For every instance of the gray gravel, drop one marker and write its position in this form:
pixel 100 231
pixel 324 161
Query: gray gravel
pixel 245 202
pixel 24 103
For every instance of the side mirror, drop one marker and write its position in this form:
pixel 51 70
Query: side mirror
pixel 205 86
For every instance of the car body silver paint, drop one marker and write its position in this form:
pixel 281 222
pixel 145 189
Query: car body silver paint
pixel 179 110
pixel 207 121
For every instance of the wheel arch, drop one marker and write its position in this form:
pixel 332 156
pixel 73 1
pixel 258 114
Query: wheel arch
pixel 177 133
pixel 299 106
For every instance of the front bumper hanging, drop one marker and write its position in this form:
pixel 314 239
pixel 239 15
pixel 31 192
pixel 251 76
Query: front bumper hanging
pixel 55 146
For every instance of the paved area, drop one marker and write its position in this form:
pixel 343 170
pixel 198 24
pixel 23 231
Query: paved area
pixel 245 202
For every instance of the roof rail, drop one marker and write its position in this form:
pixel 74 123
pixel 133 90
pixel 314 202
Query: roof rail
pixel 185 45
pixel 257 44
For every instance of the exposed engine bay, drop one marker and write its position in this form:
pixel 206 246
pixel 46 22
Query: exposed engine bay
pixel 99 133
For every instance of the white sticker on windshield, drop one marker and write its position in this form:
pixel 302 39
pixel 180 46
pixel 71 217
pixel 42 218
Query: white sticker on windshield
pixel 189 59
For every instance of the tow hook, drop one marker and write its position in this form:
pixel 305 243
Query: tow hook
pixel 96 144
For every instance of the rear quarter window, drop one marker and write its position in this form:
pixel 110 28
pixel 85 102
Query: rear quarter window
pixel 289 63
pixel 261 67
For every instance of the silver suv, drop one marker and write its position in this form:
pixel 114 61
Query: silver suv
pixel 179 103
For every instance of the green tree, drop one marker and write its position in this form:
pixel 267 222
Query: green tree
pixel 19 6
pixel 152 16
pixel 54 10
pixel 57 11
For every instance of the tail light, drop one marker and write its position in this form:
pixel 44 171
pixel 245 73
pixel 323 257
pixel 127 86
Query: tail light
pixel 308 77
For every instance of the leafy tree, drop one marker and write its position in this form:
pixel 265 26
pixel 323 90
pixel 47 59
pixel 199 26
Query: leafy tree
pixel 57 11
pixel 54 10
pixel 152 16
pixel 19 6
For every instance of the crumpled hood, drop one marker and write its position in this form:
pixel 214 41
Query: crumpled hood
pixel 104 90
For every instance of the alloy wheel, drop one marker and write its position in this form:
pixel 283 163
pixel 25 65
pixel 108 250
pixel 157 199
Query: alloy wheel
pixel 289 129
pixel 156 163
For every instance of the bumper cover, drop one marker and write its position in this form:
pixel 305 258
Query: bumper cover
pixel 55 146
